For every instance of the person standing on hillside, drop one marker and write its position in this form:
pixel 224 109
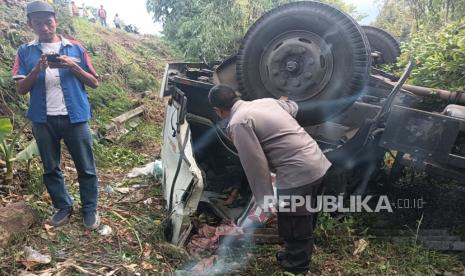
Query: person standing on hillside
pixel 85 12
pixel 74 9
pixel 102 15
pixel 117 21
pixel 55 71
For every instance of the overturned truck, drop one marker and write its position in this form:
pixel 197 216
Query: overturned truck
pixel 320 57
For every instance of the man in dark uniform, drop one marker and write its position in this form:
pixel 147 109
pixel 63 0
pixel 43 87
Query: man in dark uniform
pixel 269 139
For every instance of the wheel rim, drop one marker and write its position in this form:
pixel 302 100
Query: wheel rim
pixel 298 64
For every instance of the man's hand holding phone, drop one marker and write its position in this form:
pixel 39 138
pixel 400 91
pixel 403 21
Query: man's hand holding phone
pixel 53 58
pixel 62 62
pixel 42 64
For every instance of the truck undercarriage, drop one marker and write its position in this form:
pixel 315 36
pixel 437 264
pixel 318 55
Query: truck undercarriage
pixel 358 114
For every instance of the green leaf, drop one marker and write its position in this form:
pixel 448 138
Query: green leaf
pixel 28 153
pixel 6 128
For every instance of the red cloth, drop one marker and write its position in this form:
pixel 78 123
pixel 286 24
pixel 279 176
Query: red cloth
pixel 208 236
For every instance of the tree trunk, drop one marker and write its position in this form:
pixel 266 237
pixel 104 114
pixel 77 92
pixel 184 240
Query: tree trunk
pixel 14 218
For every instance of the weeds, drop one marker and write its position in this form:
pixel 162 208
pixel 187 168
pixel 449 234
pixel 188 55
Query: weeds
pixel 142 134
pixel 34 184
pixel 113 156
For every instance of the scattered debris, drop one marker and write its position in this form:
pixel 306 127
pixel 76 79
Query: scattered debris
pixel 142 171
pixel 131 268
pixel 360 246
pixel 49 229
pixel 147 266
pixel 105 230
pixel 158 170
pixel 116 129
pixel 257 214
pixel 27 273
pixel 33 258
pixel 148 201
pixel 128 115
pixel 108 189
pixel 147 250
pixel 144 94
pixel 123 190
pixel 139 186
pixel 62 268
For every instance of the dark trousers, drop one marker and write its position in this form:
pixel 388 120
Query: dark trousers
pixel 103 21
pixel 296 230
pixel 78 140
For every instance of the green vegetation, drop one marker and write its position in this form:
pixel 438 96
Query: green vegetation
pixel 127 65
pixel 336 242
pixel 8 144
pixel 440 57
pixel 117 156
pixel 214 29
pixel 404 17
pixel 432 33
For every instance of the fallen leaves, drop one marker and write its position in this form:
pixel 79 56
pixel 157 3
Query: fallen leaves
pixel 146 266
pixel 360 246
pixel 147 250
pixel 123 190
pixel 64 267
pixel 31 258
pixel 49 229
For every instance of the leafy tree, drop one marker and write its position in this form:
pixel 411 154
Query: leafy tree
pixel 395 18
pixel 214 29
pixel 440 57
pixel 402 17
pixel 433 34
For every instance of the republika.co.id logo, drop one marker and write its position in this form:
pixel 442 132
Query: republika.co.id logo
pixel 341 204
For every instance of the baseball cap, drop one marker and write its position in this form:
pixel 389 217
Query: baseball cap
pixel 39 6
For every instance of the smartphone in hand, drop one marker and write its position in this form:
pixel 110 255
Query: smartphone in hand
pixel 53 58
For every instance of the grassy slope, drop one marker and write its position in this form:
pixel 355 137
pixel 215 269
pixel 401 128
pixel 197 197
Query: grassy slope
pixel 128 64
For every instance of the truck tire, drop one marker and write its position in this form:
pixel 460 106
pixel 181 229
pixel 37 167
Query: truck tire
pixel 310 51
pixel 384 43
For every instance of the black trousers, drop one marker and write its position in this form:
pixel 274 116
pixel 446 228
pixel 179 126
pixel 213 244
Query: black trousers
pixel 296 230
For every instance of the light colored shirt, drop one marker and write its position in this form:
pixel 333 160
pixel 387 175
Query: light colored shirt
pixel 54 93
pixel 117 20
pixel 269 139
pixel 76 98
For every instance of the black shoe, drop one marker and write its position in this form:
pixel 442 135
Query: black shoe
pixel 61 217
pixel 91 220
pixel 282 258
